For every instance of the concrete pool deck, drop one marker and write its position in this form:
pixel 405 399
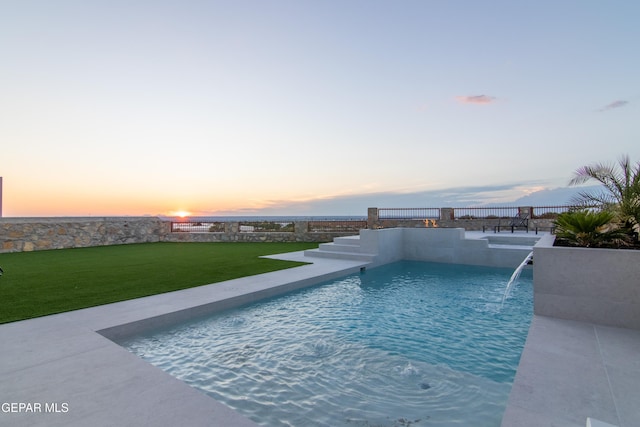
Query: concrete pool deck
pixel 58 370
pixel 572 370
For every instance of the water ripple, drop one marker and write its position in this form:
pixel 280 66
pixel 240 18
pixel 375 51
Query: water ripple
pixel 411 344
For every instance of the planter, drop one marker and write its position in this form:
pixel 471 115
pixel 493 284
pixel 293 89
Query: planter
pixel 587 284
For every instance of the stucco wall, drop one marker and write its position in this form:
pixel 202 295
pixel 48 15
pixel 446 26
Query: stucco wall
pixel 447 245
pixel 593 285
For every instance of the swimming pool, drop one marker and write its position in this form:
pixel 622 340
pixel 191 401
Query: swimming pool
pixel 408 343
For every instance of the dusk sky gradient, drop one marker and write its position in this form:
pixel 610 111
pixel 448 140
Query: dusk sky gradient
pixel 308 107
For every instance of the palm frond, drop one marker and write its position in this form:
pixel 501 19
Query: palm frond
pixel 621 183
pixel 590 229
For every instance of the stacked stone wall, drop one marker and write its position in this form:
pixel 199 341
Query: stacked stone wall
pixel 232 233
pixel 254 237
pixel 34 234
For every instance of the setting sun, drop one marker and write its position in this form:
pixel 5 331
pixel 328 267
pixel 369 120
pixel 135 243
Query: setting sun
pixel 182 214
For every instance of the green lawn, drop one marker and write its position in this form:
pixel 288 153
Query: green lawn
pixel 46 282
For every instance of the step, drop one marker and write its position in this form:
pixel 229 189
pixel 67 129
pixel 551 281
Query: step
pixel 347 240
pixel 338 247
pixel 354 256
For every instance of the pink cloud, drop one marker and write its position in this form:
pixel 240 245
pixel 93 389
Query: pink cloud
pixel 614 104
pixel 476 99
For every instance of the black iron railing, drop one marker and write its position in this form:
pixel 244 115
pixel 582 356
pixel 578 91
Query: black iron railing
pixel 265 226
pixel 485 212
pixel 385 217
pixel 409 213
pixel 550 212
pixel 197 226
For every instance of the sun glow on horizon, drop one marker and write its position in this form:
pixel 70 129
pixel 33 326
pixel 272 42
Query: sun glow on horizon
pixel 181 214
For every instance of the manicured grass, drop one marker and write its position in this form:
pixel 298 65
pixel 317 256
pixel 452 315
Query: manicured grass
pixel 46 282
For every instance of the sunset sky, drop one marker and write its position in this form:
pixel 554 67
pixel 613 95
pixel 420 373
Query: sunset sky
pixel 308 107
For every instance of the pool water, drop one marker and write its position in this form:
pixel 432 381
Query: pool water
pixel 405 344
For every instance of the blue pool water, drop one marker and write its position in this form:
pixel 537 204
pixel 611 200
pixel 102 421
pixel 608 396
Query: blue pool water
pixel 409 343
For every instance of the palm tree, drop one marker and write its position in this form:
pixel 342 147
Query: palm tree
pixel 590 229
pixel 622 185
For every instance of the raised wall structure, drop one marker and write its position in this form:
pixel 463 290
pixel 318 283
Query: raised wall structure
pixel 233 233
pixel 444 245
pixel 593 285
pixel 36 234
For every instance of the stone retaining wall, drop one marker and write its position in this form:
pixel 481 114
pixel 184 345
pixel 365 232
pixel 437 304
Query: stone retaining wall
pixel 232 234
pixel 35 234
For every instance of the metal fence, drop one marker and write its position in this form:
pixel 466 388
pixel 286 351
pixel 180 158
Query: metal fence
pixel 409 213
pixel 197 226
pixel 266 226
pixel 486 212
pixel 337 226
pixel 551 211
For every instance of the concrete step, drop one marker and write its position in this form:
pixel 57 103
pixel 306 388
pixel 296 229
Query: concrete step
pixel 354 256
pixel 347 240
pixel 338 247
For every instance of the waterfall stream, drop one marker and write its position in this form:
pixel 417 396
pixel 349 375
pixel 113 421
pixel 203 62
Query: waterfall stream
pixel 516 275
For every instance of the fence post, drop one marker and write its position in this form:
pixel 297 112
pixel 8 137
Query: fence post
pixel 525 210
pixel 447 214
pixel 300 230
pixel 372 218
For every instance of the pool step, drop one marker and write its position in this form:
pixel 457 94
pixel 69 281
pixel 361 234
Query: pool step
pixel 347 247
pixel 347 240
pixel 354 256
pixel 338 247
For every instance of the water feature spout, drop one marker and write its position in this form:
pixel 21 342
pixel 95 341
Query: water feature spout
pixel 515 276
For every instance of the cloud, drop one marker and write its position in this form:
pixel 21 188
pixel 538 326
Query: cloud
pixel 553 196
pixel 476 99
pixel 355 205
pixel 525 193
pixel 613 105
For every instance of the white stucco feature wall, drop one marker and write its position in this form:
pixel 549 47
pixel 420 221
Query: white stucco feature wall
pixel 446 245
pixel 587 284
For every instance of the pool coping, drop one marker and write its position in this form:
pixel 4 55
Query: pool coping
pixel 570 371
pixel 65 370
